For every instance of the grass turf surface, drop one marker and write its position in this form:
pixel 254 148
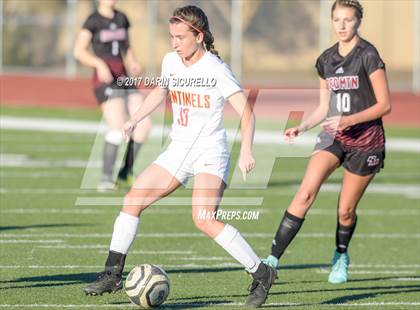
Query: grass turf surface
pixel 50 247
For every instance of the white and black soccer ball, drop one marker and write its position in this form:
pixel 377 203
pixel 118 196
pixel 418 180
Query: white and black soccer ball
pixel 147 285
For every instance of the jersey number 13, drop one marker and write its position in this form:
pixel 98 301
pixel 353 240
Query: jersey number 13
pixel 183 117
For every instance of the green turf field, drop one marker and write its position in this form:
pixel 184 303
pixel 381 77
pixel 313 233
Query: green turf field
pixel 54 234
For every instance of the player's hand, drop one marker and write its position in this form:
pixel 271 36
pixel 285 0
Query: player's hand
pixel 246 163
pixel 128 129
pixel 104 74
pixel 291 133
pixel 339 123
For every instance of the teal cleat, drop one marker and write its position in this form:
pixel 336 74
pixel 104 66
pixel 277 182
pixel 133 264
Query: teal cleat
pixel 271 261
pixel 340 265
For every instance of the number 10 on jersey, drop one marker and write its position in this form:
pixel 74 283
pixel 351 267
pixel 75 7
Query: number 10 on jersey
pixel 183 117
pixel 343 102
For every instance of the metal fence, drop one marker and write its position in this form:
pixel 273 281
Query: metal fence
pixel 271 42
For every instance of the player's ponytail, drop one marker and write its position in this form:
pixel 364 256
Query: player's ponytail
pixel 355 4
pixel 197 20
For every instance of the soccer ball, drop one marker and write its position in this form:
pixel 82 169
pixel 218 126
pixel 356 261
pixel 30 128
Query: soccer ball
pixel 147 285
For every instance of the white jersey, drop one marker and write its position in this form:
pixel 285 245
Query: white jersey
pixel 198 94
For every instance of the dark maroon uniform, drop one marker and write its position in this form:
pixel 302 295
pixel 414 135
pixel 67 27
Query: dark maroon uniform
pixel 360 148
pixel 110 42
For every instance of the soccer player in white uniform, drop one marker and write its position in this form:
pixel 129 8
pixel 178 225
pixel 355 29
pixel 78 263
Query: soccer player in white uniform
pixel 199 85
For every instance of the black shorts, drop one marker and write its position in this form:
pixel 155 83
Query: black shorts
pixel 356 161
pixel 105 92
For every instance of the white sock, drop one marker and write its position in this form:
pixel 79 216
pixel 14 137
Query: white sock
pixel 231 240
pixel 125 230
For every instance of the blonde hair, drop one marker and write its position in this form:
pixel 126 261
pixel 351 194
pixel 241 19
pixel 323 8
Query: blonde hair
pixel 197 20
pixel 355 4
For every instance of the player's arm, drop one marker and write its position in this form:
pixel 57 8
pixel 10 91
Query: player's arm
pixel 132 62
pixel 82 53
pixel 316 117
pixel 152 101
pixel 244 109
pixel 382 107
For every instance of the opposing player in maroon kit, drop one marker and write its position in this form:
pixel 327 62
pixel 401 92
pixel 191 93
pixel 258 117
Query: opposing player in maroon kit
pixel 107 31
pixel 354 97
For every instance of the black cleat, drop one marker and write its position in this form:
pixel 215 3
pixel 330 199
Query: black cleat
pixel 258 290
pixel 106 282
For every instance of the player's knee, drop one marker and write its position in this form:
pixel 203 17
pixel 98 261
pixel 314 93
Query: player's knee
pixel 114 137
pixel 204 225
pixel 134 202
pixel 346 214
pixel 305 197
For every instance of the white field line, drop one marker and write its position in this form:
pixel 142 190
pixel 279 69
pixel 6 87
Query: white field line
pixel 185 209
pixel 202 258
pixel 228 263
pixel 59 174
pixel 36 175
pixel 112 201
pixel 205 266
pixel 106 246
pixel 407 190
pixel 363 272
pixel 166 266
pixel 44 191
pixel 209 304
pixel 261 136
pixel 29 241
pixel 23 160
pixel 201 235
pixel 377 304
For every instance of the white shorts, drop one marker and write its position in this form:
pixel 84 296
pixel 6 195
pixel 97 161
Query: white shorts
pixel 183 161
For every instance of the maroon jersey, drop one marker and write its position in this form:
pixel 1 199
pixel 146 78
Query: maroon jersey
pixel 109 41
pixel 351 92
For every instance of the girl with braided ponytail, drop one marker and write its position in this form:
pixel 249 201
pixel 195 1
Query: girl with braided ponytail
pixel 198 149
pixel 354 97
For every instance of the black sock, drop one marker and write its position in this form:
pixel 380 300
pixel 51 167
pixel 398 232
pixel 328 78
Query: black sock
pixel 130 154
pixel 110 155
pixel 287 230
pixel 115 262
pixel 260 272
pixel 343 236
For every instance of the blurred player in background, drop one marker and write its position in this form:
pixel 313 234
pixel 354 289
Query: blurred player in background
pixel 354 97
pixel 107 31
pixel 198 148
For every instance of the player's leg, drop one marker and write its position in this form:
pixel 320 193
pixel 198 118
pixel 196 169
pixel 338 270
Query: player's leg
pixel 320 166
pixel 207 193
pixel 134 101
pixel 114 114
pixel 154 183
pixel 353 187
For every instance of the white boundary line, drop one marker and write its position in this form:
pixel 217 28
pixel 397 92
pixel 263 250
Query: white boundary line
pixel 187 209
pixel 209 304
pixel 407 190
pixel 92 127
pixel 364 272
pixel 201 235
pixel 209 266
pixel 29 241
